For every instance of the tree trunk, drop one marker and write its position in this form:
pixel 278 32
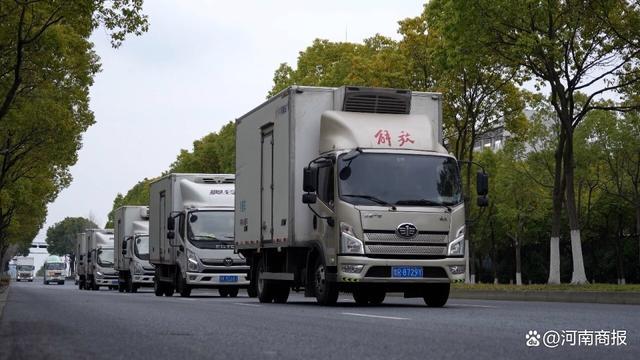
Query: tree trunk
pixel 471 269
pixel 494 256
pixel 72 265
pixel 578 276
pixel 518 260
pixel 558 190
pixel 638 229
pixel 619 252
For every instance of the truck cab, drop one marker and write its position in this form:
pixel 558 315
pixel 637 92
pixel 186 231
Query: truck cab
pixel 131 227
pixel 54 270
pixel 100 260
pixel 24 268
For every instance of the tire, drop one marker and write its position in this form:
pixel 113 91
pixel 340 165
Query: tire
pixel 281 294
pixel 168 290
pixel 376 297
pixel 80 285
pixel 264 288
pixel 45 282
pixel 129 283
pixel 182 287
pixel 60 282
pixel 158 287
pixel 436 295
pixel 17 280
pixel 252 291
pixel 326 291
pixel 233 292
pixel 223 292
pixel 135 287
pixel 120 287
pixel 361 296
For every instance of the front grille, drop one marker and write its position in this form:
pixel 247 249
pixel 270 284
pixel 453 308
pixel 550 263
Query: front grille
pixel 220 262
pixel 392 237
pixel 228 270
pixel 427 272
pixel 405 250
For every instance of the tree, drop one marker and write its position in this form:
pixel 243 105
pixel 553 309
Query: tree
pixel 46 67
pixel 571 47
pixel 61 236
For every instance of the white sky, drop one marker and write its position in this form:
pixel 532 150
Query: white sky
pixel 202 64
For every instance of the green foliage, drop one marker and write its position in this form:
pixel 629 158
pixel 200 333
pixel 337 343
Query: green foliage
pixel 61 236
pixel 47 64
pixel 214 153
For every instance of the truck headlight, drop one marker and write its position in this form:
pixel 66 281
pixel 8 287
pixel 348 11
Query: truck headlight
pixel 456 247
pixel 99 273
pixel 137 268
pixel 349 243
pixel 192 261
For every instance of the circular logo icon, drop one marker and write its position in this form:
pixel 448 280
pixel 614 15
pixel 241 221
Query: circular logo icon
pixel 406 230
pixel 228 262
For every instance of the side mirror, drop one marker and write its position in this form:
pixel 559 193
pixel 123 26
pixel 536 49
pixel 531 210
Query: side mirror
pixel 124 244
pixel 483 201
pixel 482 183
pixel 310 179
pixel 171 223
pixel 124 252
pixel 309 198
pixel 171 235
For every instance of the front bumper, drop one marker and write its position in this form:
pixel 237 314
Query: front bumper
pixel 217 279
pixel 146 278
pixel 107 281
pixel 377 270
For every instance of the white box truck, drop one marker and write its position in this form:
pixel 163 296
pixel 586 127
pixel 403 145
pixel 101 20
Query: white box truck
pixel 24 268
pixel 54 270
pixel 191 235
pixel 349 189
pixel 131 228
pixel 100 259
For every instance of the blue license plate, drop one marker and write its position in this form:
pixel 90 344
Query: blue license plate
pixel 228 278
pixel 406 271
pixel 114 282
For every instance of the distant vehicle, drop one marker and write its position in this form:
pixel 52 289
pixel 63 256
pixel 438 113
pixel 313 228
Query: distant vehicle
pixel 54 270
pixel 24 268
pixel 191 235
pixel 349 189
pixel 131 228
pixel 100 260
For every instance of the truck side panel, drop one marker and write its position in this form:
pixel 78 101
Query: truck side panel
pixel 160 208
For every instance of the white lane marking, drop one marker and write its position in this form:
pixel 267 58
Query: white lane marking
pixel 246 304
pixel 480 306
pixel 375 316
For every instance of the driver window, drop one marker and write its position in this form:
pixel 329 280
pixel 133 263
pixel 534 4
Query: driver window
pixel 181 225
pixel 326 185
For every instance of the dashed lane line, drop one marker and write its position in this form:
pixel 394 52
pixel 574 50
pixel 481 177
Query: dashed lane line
pixel 375 316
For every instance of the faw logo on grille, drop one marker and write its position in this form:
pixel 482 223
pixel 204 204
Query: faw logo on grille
pixel 228 262
pixel 406 230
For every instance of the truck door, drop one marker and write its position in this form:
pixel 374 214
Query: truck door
pixel 266 186
pixel 162 224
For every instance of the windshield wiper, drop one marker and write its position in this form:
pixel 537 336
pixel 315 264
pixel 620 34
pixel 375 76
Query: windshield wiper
pixel 372 198
pixel 423 202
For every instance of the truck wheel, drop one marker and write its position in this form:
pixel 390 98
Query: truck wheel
pixel 252 291
pixel 223 292
pixel 376 297
pixel 281 294
pixel 233 292
pixel 134 289
pixel 80 286
pixel 265 288
pixel 326 291
pixel 60 282
pixel 361 296
pixel 158 287
pixel 129 283
pixel 182 287
pixel 436 295
pixel 168 290
pixel 120 286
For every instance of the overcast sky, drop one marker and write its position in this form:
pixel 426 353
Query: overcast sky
pixel 202 64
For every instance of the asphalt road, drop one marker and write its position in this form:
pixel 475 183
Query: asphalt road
pixel 61 322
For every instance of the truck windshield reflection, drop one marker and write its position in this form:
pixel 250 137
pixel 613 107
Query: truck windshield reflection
pixel 211 229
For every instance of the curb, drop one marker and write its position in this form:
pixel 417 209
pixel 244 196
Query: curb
pixel 596 297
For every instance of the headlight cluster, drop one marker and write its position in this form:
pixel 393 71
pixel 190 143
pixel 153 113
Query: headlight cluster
pixel 99 273
pixel 349 243
pixel 456 247
pixel 192 261
pixel 137 268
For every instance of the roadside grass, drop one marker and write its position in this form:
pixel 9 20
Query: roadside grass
pixel 4 280
pixel 545 287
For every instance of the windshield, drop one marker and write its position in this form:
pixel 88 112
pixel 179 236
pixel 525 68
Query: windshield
pixel 25 267
pixel 55 266
pixel 142 247
pixel 400 179
pixel 105 257
pixel 211 229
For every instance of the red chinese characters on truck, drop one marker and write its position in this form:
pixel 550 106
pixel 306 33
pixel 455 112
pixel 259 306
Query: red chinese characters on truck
pixel 384 137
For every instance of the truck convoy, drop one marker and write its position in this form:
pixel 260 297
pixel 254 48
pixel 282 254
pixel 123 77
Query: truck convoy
pixel 131 228
pixel 24 268
pixel 349 189
pixel 54 270
pixel 191 235
pixel 99 269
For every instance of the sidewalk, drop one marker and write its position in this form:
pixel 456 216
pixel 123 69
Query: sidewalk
pixel 4 292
